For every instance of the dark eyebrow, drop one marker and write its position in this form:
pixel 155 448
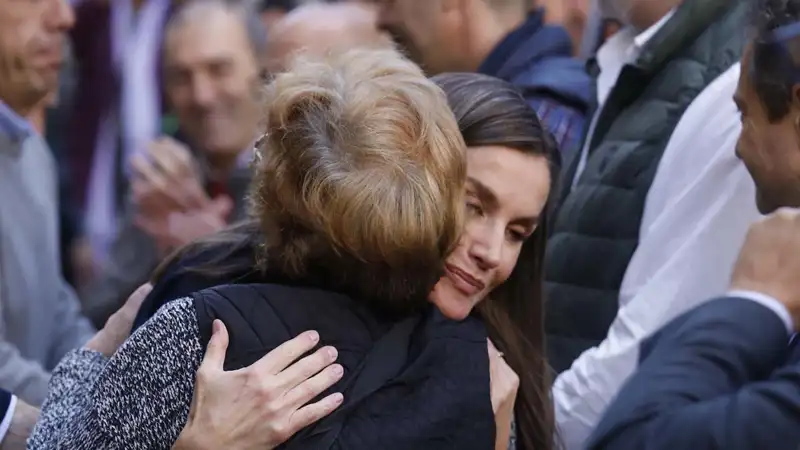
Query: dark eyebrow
pixel 483 192
pixel 488 197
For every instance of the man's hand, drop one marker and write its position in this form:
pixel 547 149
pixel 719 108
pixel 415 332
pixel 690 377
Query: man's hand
pixel 166 179
pixel 181 227
pixel 263 405
pixel 769 261
pixel 118 327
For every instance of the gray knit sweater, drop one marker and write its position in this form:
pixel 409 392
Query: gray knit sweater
pixel 138 399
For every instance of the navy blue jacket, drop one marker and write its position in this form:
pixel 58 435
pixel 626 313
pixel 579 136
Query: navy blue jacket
pixel 720 377
pixel 537 59
pixel 5 403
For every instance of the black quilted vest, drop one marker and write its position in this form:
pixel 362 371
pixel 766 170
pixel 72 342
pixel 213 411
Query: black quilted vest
pixel 420 383
pixel 596 230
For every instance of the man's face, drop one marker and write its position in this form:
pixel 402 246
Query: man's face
pixel 32 37
pixel 423 30
pixel 770 150
pixel 211 81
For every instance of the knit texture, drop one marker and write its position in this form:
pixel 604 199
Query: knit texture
pixel 139 400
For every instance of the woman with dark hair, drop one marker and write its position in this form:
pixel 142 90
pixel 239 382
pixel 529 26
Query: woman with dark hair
pixel 512 165
pixel 511 158
pixel 358 194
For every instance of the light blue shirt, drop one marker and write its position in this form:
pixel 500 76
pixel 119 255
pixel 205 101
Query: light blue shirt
pixel 40 316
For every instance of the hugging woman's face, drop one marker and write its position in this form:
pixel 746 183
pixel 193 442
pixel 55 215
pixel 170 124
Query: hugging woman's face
pixel 506 193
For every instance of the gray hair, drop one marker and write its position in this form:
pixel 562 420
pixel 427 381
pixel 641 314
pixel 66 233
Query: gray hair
pixel 256 33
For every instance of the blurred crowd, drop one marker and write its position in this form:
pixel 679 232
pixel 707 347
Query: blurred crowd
pixel 618 152
pixel 130 98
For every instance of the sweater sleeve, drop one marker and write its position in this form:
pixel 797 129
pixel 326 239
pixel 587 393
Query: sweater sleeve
pixel 142 397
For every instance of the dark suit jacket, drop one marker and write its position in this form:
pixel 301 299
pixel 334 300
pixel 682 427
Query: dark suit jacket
pixel 719 377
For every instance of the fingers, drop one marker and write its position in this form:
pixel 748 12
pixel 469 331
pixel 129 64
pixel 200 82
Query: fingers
pixel 221 206
pixel 171 157
pixel 277 360
pixel 309 389
pixel 493 352
pixel 148 173
pixel 302 370
pixel 217 346
pixel 309 414
pixel 135 300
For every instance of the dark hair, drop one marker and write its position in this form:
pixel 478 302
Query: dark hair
pixel 774 71
pixel 490 111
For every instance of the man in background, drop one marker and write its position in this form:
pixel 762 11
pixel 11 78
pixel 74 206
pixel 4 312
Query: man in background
pixel 39 315
pixel 502 39
pixel 182 192
pixel 319 28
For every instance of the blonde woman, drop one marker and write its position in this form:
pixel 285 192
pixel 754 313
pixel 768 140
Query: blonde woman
pixel 359 195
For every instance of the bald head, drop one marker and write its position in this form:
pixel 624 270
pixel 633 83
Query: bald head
pixel 322 28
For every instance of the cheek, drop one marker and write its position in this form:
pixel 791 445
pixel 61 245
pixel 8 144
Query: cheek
pixel 507 264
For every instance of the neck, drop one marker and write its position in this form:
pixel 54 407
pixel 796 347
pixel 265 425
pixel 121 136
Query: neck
pixel 645 14
pixel 221 164
pixel 488 35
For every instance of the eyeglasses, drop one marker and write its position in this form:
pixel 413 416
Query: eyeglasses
pixel 257 147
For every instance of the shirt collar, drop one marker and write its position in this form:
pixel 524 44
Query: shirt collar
pixel 642 38
pixel 625 45
pixel 12 125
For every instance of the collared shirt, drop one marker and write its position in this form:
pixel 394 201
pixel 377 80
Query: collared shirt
pixel 12 126
pixel 40 316
pixel 16 129
pixel 622 48
pixel 697 213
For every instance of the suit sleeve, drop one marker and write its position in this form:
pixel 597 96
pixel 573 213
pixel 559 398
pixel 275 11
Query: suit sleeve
pixel 708 380
pixel 7 403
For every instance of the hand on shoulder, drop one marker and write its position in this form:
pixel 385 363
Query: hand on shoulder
pixel 263 405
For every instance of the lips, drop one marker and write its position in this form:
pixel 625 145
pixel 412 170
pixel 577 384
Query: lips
pixel 463 281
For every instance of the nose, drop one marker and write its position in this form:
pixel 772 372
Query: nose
pixel 203 91
pixel 485 245
pixel 60 16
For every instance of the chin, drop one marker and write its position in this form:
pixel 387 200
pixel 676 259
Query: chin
pixel 453 304
pixel 764 205
pixel 454 311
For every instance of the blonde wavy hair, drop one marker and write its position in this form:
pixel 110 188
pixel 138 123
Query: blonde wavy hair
pixel 359 183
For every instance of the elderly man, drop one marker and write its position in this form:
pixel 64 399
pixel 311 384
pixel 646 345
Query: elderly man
pixel 212 55
pixel 311 29
pixel 722 375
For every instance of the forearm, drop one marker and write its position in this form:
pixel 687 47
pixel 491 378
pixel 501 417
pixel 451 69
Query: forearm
pixel 700 382
pixel 22 422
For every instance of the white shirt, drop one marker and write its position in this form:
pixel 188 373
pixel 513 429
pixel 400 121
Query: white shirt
pixel 136 40
pixel 697 213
